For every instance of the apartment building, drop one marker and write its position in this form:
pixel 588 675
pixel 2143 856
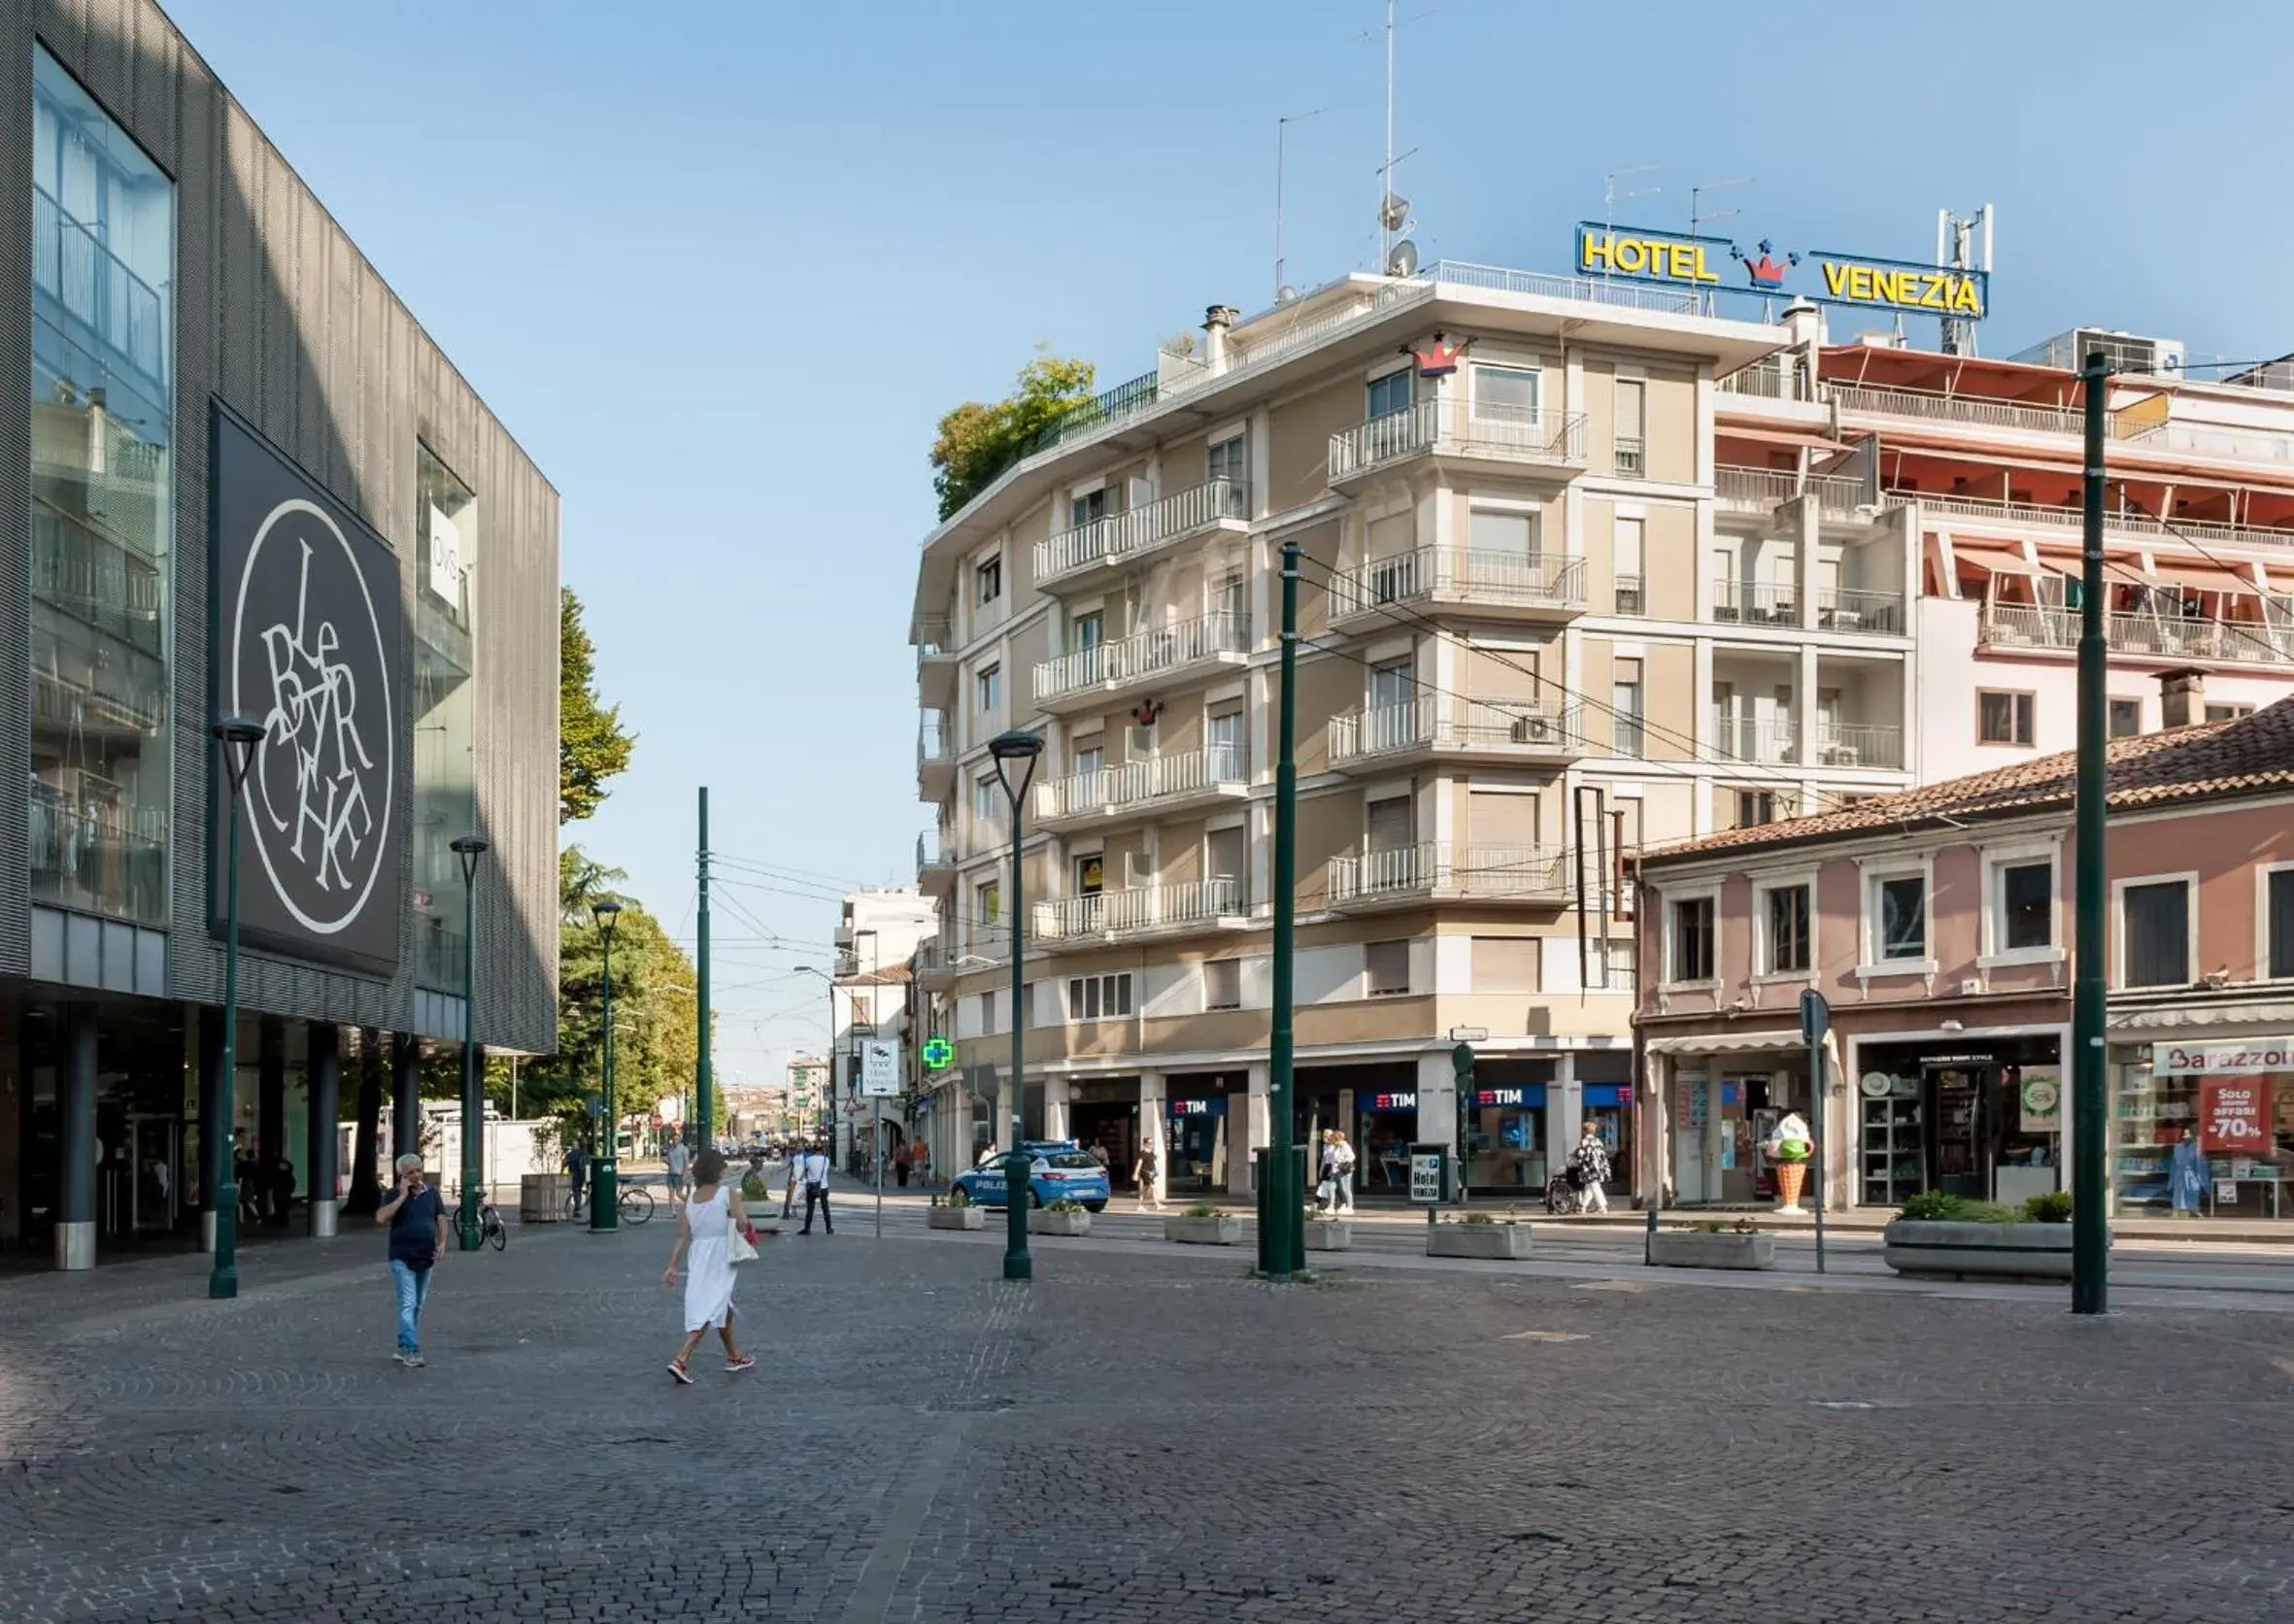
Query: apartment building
pixel 1503 487
pixel 1937 924
pixel 877 935
pixel 1859 480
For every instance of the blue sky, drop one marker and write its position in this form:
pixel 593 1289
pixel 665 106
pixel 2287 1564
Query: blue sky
pixel 720 265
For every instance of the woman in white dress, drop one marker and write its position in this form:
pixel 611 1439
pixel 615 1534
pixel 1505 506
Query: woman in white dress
pixel 702 1224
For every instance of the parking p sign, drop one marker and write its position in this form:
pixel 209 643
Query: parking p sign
pixel 880 1069
pixel 1426 1177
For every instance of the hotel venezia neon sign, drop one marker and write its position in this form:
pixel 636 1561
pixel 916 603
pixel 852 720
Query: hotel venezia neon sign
pixel 1844 279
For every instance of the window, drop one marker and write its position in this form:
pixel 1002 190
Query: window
pixel 1627 541
pixel 988 580
pixel 1692 939
pixel 1755 807
pixel 1390 395
pixel 2228 713
pixel 1223 748
pixel 2155 922
pixel 987 904
pixel 1085 631
pixel 2126 718
pixel 2026 907
pixel 987 799
pixel 987 1011
pixel 2279 910
pixel 1387 968
pixel 1507 531
pixel 1088 509
pixel 1505 394
pixel 1389 825
pixel 1393 687
pixel 1632 408
pixel 1221 984
pixel 445 760
pixel 1898 913
pixel 1786 918
pixel 1098 997
pixel 1625 701
pixel 1226 461
pixel 2004 718
pixel 988 688
pixel 1091 874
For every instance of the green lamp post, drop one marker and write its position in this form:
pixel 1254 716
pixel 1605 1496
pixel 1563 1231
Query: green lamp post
pixel 1016 752
pixel 238 735
pixel 469 849
pixel 605 1194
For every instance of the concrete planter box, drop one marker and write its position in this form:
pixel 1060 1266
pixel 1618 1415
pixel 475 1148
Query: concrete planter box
pixel 541 1198
pixel 1959 1251
pixel 1202 1232
pixel 1040 1221
pixel 1330 1236
pixel 955 1218
pixel 1698 1249
pixel 1479 1240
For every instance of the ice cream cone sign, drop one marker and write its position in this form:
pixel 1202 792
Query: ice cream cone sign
pixel 1790 1146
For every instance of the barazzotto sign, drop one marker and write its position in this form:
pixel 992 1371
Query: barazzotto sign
pixel 2224 1059
pixel 310 644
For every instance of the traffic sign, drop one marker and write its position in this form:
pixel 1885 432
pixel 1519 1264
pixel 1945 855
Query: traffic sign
pixel 1425 1175
pixel 880 1069
pixel 939 1054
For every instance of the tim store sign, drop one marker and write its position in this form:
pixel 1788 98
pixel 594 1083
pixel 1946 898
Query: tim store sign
pixel 2266 1054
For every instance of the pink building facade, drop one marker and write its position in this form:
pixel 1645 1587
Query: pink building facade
pixel 1937 925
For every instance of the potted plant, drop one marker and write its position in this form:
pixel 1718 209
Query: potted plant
pixel 1713 1245
pixel 1790 1145
pixel 1479 1235
pixel 1060 1217
pixel 1202 1224
pixel 957 1212
pixel 1325 1233
pixel 1945 1237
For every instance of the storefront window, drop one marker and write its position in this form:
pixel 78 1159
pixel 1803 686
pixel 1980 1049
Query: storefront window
pixel 1984 1121
pixel 1609 1112
pixel 2215 1146
pixel 444 761
pixel 1505 1138
pixel 103 342
pixel 1198 1143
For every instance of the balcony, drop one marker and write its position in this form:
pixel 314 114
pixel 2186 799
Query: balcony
pixel 1448 430
pixel 1851 744
pixel 1973 410
pixel 1142 910
pixel 1125 538
pixel 1992 510
pixel 1085 676
pixel 936 662
pixel 936 757
pixel 1529 586
pixel 1856 609
pixel 1429 871
pixel 1762 490
pixel 1771 379
pixel 1157 784
pixel 1756 603
pixel 1736 737
pixel 2026 626
pixel 1386 736
pixel 936 861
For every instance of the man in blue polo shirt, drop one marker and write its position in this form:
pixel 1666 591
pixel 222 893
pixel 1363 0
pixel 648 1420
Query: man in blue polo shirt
pixel 416 1220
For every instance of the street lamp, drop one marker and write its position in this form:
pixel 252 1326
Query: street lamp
pixel 828 1084
pixel 470 848
pixel 606 1194
pixel 238 735
pixel 1016 751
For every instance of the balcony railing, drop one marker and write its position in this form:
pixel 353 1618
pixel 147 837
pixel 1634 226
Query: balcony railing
pixel 1111 540
pixel 1630 458
pixel 1621 291
pixel 1741 738
pixel 1499 872
pixel 934 850
pixel 1754 489
pixel 1756 602
pixel 2019 625
pixel 1459 427
pixel 1950 408
pixel 1769 380
pixel 1151 908
pixel 935 746
pixel 935 635
pixel 1143 655
pixel 1856 609
pixel 1630 598
pixel 1996 510
pixel 1144 783
pixel 1431 720
pixel 1528 580
pixel 1854 744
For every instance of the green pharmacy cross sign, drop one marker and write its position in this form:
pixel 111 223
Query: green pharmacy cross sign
pixel 938 1051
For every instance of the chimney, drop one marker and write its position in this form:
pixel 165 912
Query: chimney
pixel 2183 697
pixel 1216 320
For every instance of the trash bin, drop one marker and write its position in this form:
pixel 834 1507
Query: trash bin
pixel 541 1198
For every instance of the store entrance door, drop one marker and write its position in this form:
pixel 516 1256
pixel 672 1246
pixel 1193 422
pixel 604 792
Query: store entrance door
pixel 1959 1100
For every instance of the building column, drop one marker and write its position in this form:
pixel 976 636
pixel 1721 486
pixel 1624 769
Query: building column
pixel 323 1082
pixel 1009 1099
pixel 1155 1130
pixel 1255 1134
pixel 270 1110
pixel 1565 1114
pixel 1653 1129
pixel 1056 1091
pixel 406 1096
pixel 75 1228
pixel 366 1191
pixel 1437 1102
pixel 1805 749
pixel 215 1123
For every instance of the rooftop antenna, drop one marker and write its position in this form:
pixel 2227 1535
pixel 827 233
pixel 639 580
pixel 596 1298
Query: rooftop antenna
pixel 1957 249
pixel 1282 289
pixel 1610 196
pixel 1698 219
pixel 1392 210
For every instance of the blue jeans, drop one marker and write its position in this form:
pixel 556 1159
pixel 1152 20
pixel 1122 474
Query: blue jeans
pixel 414 1287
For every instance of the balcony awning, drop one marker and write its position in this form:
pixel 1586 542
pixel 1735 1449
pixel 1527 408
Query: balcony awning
pixel 2198 576
pixel 2062 561
pixel 1997 561
pixel 1797 439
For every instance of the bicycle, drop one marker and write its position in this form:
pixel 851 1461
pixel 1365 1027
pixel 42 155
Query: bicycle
pixel 492 1231
pixel 635 1205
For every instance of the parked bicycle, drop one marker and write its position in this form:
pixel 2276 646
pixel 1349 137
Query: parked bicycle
pixel 636 1206
pixel 492 1231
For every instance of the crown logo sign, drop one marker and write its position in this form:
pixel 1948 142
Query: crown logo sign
pixel 1437 359
pixel 1767 271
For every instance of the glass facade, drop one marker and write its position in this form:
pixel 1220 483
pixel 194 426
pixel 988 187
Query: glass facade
pixel 103 347
pixel 445 735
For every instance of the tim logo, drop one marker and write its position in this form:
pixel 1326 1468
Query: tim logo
pixel 1767 271
pixel 309 663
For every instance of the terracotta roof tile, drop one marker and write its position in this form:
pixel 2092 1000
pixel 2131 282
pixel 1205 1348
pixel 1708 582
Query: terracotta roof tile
pixel 2244 756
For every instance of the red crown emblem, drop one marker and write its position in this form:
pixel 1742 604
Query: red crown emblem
pixel 1767 271
pixel 1437 359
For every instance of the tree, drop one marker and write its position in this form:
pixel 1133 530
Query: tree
pixel 976 443
pixel 591 747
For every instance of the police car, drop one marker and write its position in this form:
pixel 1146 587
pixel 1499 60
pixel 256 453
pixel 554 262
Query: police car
pixel 1062 1170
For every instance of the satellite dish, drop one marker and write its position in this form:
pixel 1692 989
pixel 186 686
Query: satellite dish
pixel 1403 260
pixel 1285 294
pixel 1395 210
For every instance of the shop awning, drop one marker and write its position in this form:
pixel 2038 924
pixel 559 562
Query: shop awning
pixel 1728 1044
pixel 1998 561
pixel 2262 1017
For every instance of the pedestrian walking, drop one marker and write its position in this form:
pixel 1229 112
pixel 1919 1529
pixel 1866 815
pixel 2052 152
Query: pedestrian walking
pixel 577 1169
pixel 1341 1171
pixel 415 1218
pixel 1590 1162
pixel 902 1162
pixel 923 1163
pixel 1326 1173
pixel 703 1225
pixel 815 1190
pixel 795 1156
pixel 1145 1174
pixel 246 1166
pixel 674 1160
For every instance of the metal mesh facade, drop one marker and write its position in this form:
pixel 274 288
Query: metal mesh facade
pixel 280 316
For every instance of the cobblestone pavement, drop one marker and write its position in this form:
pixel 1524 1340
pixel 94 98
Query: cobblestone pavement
pixel 1135 1436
